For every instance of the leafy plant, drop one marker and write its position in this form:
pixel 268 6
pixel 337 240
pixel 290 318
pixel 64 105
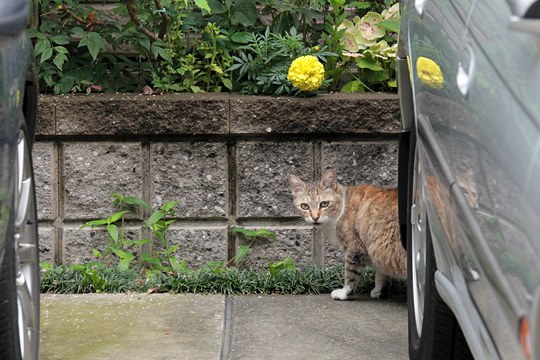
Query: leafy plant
pixel 124 250
pixel 200 69
pixel 252 236
pixel 188 46
pixel 262 64
pixel 369 43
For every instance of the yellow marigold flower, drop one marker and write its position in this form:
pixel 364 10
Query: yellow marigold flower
pixel 429 73
pixel 306 73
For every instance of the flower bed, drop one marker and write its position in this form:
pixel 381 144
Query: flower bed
pixel 212 46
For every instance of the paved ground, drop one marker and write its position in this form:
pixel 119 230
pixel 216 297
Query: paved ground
pixel 187 326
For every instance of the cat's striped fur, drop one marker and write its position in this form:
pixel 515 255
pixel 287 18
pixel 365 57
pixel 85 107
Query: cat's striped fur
pixel 363 220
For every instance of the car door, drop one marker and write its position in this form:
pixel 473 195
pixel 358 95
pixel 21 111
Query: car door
pixel 437 48
pixel 477 157
pixel 503 127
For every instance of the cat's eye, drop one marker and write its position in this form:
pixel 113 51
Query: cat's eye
pixel 304 206
pixel 324 204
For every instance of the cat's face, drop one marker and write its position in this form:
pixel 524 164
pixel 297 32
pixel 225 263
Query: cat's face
pixel 467 184
pixel 318 203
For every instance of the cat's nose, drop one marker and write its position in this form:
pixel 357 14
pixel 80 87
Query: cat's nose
pixel 315 219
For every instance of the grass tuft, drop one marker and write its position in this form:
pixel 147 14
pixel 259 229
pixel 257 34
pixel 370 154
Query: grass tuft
pixel 228 280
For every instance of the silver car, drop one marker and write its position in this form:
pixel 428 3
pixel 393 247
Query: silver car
pixel 469 176
pixel 19 276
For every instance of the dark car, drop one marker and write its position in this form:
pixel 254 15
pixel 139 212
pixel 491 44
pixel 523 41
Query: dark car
pixel 469 176
pixel 19 275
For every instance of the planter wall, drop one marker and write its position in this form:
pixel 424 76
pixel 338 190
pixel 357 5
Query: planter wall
pixel 224 157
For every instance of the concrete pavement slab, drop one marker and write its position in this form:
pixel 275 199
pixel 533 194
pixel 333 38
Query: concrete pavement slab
pixel 131 326
pixel 317 327
pixel 215 327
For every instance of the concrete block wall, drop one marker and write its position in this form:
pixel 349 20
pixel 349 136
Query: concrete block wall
pixel 224 157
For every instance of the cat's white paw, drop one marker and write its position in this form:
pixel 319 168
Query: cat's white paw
pixel 380 293
pixel 340 294
pixel 376 293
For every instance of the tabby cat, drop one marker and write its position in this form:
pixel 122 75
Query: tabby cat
pixel 363 220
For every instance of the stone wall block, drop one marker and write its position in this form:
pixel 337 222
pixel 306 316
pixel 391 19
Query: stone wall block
pixel 295 243
pixel 46 243
pixel 93 170
pixel 350 113
pixel 46 117
pixel 198 245
pixel 43 176
pixel 78 243
pixel 113 114
pixel 263 168
pixel 358 163
pixel 195 174
pixel 333 255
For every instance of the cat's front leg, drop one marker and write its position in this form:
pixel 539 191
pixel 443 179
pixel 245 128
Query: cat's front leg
pixel 354 265
pixel 380 291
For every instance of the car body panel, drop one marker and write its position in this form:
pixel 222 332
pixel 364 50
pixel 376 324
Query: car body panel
pixel 479 146
pixel 15 57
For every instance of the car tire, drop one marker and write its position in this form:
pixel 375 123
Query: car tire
pixel 434 332
pixel 19 279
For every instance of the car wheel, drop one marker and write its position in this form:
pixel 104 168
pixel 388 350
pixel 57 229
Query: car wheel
pixel 434 332
pixel 19 280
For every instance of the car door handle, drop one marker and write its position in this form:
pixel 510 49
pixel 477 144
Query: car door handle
pixel 465 75
pixel 419 6
pixel 13 16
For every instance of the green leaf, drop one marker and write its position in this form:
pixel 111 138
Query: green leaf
pixel 267 234
pixel 286 264
pixel 203 4
pixel 180 267
pixel 94 42
pixel 243 231
pixel 115 217
pixel 95 223
pixel 41 46
pixel 78 31
pixel 46 55
pixel 113 232
pixel 125 258
pixel 123 264
pixel 151 260
pixel 367 63
pixel 33 33
pixel 241 253
pixel 136 242
pixel 217 7
pixel 60 39
pixel 227 83
pixel 133 200
pixel 96 253
pixel 169 205
pixel 353 86
pixel 171 250
pixel 78 267
pixel 390 25
pixel 154 218
pixel 59 60
pixel 244 12
pixel 241 37
pixel 159 51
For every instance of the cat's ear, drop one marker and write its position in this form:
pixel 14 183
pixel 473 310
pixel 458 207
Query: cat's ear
pixel 297 186
pixel 329 181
